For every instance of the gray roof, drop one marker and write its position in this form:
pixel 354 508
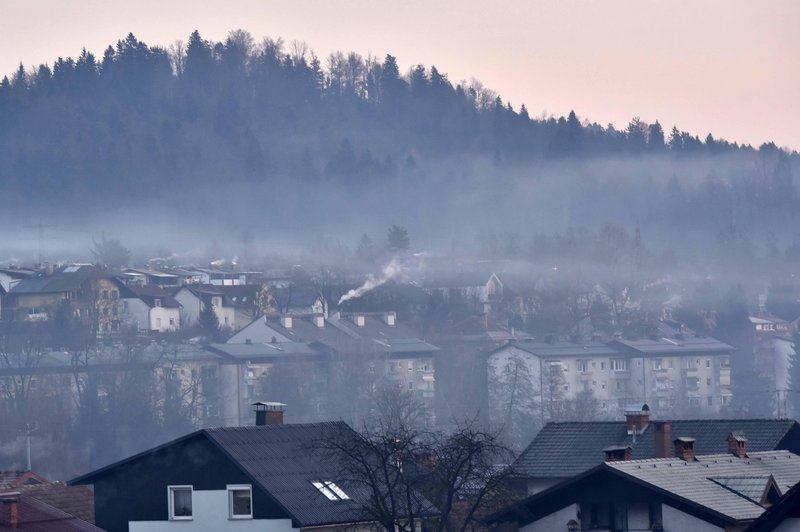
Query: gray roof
pixel 255 350
pixel 564 349
pixel 719 488
pixel 703 481
pixel 563 450
pixel 674 346
pixel 67 279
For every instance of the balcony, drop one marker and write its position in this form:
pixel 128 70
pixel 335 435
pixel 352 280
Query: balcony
pixel 621 374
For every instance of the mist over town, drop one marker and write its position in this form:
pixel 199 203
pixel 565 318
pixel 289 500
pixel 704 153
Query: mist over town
pixel 245 284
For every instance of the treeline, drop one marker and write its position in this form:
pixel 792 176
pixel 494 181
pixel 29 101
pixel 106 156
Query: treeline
pixel 144 119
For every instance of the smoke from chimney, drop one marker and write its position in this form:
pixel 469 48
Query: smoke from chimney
pixel 390 271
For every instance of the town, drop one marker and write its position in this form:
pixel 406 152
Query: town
pixel 101 361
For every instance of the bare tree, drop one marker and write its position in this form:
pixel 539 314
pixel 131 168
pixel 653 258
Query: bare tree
pixel 410 476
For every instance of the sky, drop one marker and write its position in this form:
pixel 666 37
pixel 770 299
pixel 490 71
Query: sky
pixel 729 67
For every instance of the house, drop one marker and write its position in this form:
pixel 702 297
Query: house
pixel 766 325
pixel 234 305
pixel 772 357
pixel 150 308
pixel 723 491
pixel 11 276
pixel 382 350
pixel 683 372
pixel 152 277
pixel 243 367
pixel 266 477
pixel 92 296
pixel 561 451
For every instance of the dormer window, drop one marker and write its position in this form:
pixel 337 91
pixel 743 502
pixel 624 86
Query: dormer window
pixel 180 503
pixel 157 303
pixel 331 490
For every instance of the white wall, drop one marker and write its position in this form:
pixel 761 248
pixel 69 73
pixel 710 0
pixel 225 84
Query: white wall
pixel 210 509
pixel 137 313
pixel 191 307
pixel 555 522
pixel 165 314
pixel 675 520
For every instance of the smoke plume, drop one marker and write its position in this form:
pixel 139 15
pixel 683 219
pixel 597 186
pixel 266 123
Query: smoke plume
pixel 390 271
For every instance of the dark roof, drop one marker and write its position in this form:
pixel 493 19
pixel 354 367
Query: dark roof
pixel 283 460
pixel 150 292
pixel 67 279
pixel 563 450
pixel 35 515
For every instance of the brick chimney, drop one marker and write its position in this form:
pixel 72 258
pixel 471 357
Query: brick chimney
pixel 617 453
pixel 286 322
pixel 737 444
pixel 359 320
pixel 684 448
pixel 636 421
pixel 663 438
pixel 269 413
pixel 10 514
pixel 390 318
pixel 319 321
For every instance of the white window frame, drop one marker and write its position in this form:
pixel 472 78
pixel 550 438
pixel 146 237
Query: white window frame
pixel 171 501
pixel 239 487
pixel 619 364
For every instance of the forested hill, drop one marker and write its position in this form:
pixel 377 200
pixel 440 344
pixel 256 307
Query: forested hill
pixel 252 111
pixel 146 125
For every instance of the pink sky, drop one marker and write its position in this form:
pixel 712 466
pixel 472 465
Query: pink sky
pixel 730 67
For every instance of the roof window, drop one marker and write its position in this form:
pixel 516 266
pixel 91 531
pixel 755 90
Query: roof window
pixel 331 490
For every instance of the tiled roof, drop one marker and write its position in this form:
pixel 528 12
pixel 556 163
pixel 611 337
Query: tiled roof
pixel 264 350
pixel 696 481
pixel 286 459
pixel 150 292
pixel 698 486
pixel 37 516
pixel 565 349
pixel 562 450
pixel 74 500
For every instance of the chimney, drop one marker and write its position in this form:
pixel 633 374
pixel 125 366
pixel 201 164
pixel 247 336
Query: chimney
pixel 359 320
pixel 390 318
pixel 286 322
pixel 737 444
pixel 10 509
pixel 269 413
pixel 319 321
pixel 618 453
pixel 662 433
pixel 684 448
pixel 636 421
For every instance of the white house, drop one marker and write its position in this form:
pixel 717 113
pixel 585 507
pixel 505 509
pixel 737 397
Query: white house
pixel 150 308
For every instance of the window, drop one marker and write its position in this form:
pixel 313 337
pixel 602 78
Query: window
pixel 671 365
pixel 157 302
pixel 410 365
pixel 240 502
pixel 180 502
pixel 410 385
pixel 172 322
pixel 602 365
pixel 710 401
pixel 619 364
pixel 708 382
pixel 331 490
pixel 657 363
pixel 708 363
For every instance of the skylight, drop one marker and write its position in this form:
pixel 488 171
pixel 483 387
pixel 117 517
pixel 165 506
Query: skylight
pixel 331 490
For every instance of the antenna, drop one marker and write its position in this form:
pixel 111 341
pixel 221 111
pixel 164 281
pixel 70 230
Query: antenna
pixel 40 227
